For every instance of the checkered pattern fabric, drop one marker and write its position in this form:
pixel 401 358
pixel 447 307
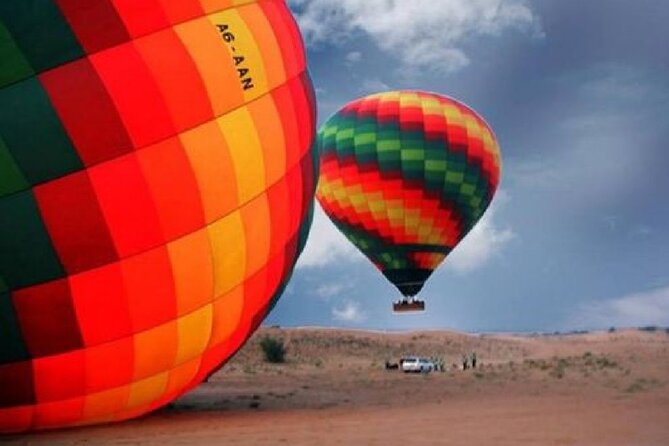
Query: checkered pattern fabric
pixel 405 176
pixel 156 188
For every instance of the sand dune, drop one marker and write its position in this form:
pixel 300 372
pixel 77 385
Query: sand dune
pixel 589 389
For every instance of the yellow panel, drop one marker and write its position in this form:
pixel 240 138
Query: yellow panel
pixel 194 333
pixel 193 271
pixel 227 314
pixel 244 53
pixel 148 390
pixel 246 152
pixel 228 243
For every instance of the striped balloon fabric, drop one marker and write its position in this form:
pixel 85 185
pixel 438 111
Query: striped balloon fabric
pixel 405 176
pixel 156 188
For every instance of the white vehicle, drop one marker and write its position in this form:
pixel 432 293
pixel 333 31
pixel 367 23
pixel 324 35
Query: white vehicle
pixel 417 365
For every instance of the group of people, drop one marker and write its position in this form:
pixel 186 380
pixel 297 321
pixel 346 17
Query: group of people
pixel 469 361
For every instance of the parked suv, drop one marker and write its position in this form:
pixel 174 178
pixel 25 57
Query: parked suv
pixel 417 365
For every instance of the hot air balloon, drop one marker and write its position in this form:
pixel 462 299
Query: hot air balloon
pixel 156 188
pixel 405 176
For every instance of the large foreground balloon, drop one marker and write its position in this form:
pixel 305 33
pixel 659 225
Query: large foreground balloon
pixel 405 176
pixel 156 187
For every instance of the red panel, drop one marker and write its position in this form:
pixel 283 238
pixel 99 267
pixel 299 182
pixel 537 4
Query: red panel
pixel 279 212
pixel 177 78
pixel 292 36
pixel 141 16
pixel 99 376
pixel 15 419
pixel 60 413
pixel 286 109
pixel 150 289
pixel 173 188
pixel 178 11
pixel 75 223
pixel 127 204
pixel 60 377
pixel 47 318
pixel 87 112
pixel 101 305
pixel 255 292
pixel 284 36
pixel 96 23
pixel 17 384
pixel 304 112
pixel 135 93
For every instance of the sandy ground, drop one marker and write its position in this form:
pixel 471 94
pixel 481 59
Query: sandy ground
pixel 589 389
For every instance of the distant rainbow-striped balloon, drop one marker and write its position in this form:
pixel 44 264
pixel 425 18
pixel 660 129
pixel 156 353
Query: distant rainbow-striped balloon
pixel 405 176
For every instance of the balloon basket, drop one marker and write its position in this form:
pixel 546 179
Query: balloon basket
pixel 406 306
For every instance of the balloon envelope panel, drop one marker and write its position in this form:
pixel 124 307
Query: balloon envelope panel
pixel 405 176
pixel 156 188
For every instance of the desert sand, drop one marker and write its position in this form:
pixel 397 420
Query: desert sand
pixel 581 389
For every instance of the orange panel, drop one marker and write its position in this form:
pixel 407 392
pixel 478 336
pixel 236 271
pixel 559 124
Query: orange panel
pixel 177 78
pixel 181 377
pixel 257 231
pixel 214 63
pixel 155 350
pixel 269 49
pixel 101 407
pixel 173 188
pixel 214 170
pixel 193 271
pixel 272 141
pixel 227 314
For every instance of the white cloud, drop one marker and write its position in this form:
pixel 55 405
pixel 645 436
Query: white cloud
pixel 326 245
pixel 484 242
pixel 350 312
pixel 645 308
pixel 353 57
pixel 370 86
pixel 423 33
pixel 327 291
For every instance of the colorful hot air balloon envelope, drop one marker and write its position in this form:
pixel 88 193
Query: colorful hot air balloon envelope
pixel 405 176
pixel 156 187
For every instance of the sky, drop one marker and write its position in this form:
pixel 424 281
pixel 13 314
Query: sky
pixel 578 96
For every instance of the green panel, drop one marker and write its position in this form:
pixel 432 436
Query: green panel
pixel 13 66
pixel 41 31
pixel 33 133
pixel 12 347
pixel 11 179
pixel 26 254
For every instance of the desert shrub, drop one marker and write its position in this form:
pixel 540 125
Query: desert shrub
pixel 649 329
pixel 612 330
pixel 274 350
